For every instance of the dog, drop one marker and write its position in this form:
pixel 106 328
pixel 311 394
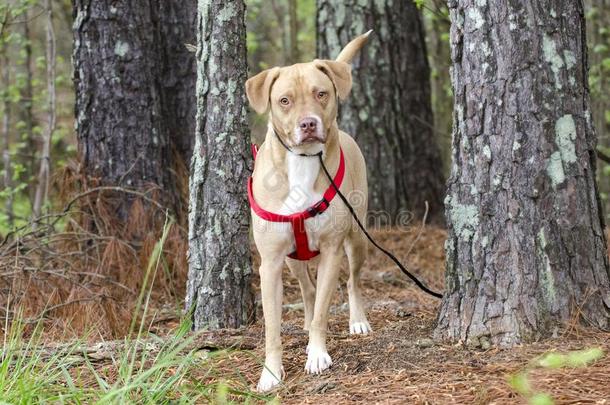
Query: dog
pixel 302 101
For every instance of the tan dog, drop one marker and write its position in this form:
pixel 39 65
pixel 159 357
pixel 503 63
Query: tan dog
pixel 303 103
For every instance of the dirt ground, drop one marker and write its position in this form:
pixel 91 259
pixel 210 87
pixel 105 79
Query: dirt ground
pixel 398 362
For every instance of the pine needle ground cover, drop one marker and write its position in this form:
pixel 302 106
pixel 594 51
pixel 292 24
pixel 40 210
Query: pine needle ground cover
pixel 163 362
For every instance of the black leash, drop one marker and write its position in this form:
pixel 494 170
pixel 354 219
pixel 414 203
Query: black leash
pixel 353 213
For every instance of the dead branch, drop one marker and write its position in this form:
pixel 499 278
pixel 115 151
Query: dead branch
pixel 59 215
pixel 421 230
pixel 602 156
pixel 109 350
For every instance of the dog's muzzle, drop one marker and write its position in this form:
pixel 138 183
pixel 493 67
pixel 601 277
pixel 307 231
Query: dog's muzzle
pixel 309 130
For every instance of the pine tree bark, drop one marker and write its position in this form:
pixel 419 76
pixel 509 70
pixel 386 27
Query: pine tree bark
pixel 389 111
pixel 134 83
pixel 526 248
pixel 218 291
pixel 177 27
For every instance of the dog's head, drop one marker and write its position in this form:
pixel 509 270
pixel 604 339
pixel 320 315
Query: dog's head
pixel 303 99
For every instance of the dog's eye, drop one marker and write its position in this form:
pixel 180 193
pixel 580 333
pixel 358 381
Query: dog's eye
pixel 284 101
pixel 322 94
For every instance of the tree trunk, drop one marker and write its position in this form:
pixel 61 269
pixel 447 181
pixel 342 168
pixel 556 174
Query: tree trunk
pixel 177 26
pixel 134 92
pixel 526 248
pixel 44 173
pixel 294 30
pixel 218 290
pixel 26 105
pixel 436 23
pixel 389 111
pixel 7 173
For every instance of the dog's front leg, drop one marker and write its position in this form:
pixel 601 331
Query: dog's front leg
pixel 308 290
pixel 272 292
pixel 318 359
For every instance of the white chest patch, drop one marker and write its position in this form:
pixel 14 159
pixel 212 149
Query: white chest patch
pixel 302 175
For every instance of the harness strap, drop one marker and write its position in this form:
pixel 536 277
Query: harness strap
pixel 301 241
pixel 297 220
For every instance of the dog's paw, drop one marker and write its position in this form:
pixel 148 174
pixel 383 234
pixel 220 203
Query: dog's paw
pixel 318 360
pixel 360 328
pixel 268 380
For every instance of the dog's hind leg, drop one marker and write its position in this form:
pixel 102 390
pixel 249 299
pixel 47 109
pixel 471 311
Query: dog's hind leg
pixel 308 289
pixel 355 248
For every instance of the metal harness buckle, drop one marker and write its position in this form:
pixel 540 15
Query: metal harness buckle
pixel 318 207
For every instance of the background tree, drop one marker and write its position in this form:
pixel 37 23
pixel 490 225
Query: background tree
pixel 5 80
pixel 218 289
pixel 134 82
pixel 44 172
pixel 526 247
pixel 26 115
pixel 273 26
pixel 177 21
pixel 389 111
pixel 597 13
pixel 436 23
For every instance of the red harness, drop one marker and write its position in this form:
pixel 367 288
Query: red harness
pixel 297 220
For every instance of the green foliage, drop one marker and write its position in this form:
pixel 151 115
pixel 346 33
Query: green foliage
pixel 268 32
pixel 520 382
pixel 419 3
pixel 29 375
pixel 598 37
pixel 25 130
pixel 580 358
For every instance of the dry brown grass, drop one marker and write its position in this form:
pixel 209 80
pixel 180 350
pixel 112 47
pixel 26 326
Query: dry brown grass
pixel 398 363
pixel 81 269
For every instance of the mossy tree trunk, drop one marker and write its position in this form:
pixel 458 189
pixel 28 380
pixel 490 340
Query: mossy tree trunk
pixel 389 111
pixel 526 248
pixel 218 290
pixel 135 95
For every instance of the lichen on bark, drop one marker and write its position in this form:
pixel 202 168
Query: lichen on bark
pixel 536 254
pixel 389 110
pixel 218 290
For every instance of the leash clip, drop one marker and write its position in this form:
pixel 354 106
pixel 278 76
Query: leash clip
pixel 318 207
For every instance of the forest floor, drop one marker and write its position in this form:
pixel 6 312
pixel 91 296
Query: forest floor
pixel 398 362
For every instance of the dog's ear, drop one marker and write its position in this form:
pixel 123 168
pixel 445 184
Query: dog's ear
pixel 258 89
pixel 340 73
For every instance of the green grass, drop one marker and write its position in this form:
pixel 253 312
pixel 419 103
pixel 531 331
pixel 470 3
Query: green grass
pixel 520 382
pixel 173 374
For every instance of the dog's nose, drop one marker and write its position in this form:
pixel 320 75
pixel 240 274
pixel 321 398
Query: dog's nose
pixel 308 125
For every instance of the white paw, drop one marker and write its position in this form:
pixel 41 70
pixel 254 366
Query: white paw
pixel 360 328
pixel 318 360
pixel 268 381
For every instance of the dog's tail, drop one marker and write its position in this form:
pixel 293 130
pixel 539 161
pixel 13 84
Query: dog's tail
pixel 349 52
